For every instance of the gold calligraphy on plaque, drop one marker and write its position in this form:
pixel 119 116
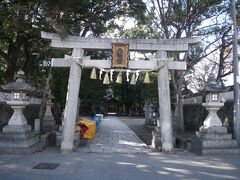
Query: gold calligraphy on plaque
pixel 119 55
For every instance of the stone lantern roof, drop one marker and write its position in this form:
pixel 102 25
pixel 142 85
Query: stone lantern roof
pixel 19 84
pixel 212 86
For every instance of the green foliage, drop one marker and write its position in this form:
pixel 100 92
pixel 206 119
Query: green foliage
pixel 59 84
pixel 144 29
pixel 126 93
pixel 136 94
pixel 22 21
pixel 93 17
pixel 150 91
pixel 92 90
pixel 2 70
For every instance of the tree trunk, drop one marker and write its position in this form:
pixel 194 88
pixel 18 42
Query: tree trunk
pixel 10 70
pixel 177 83
pixel 222 56
pixel 28 64
pixel 12 56
pixel 179 104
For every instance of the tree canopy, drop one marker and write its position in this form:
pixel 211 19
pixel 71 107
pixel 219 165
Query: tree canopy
pixel 22 21
pixel 21 46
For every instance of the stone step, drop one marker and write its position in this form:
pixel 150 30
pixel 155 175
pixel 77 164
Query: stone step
pixel 21 150
pixel 22 135
pixel 219 144
pixel 221 151
pixel 216 136
pixel 19 143
pixel 214 129
pixel 16 129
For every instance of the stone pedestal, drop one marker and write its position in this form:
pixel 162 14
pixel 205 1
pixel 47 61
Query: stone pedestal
pixel 214 140
pixel 48 123
pixel 19 139
pixel 17 136
pixel 17 118
pixel 212 119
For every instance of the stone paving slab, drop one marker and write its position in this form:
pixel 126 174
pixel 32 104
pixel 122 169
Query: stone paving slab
pixel 113 136
pixel 100 166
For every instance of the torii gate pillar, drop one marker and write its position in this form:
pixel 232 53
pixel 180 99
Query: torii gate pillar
pixel 164 104
pixel 72 101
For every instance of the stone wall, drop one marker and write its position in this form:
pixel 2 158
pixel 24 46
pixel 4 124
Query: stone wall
pixel 31 113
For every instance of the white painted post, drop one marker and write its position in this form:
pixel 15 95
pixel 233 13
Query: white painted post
pixel 165 105
pixel 72 101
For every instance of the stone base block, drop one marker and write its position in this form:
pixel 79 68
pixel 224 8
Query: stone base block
pixel 16 129
pixel 48 126
pixel 214 129
pixel 214 140
pixel 215 136
pixel 219 143
pixel 21 150
pixel 48 118
pixel 221 151
pixel 19 142
pixel 59 138
pixel 23 135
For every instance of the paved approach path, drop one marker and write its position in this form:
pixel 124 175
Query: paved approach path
pixel 113 136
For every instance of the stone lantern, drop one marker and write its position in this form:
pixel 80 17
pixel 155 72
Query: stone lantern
pixel 17 136
pixel 212 103
pixel 18 101
pixel 212 137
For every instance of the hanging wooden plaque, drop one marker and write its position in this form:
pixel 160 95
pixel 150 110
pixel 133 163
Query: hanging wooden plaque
pixel 120 56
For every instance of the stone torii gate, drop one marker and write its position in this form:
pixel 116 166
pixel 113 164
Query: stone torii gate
pixel 161 64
